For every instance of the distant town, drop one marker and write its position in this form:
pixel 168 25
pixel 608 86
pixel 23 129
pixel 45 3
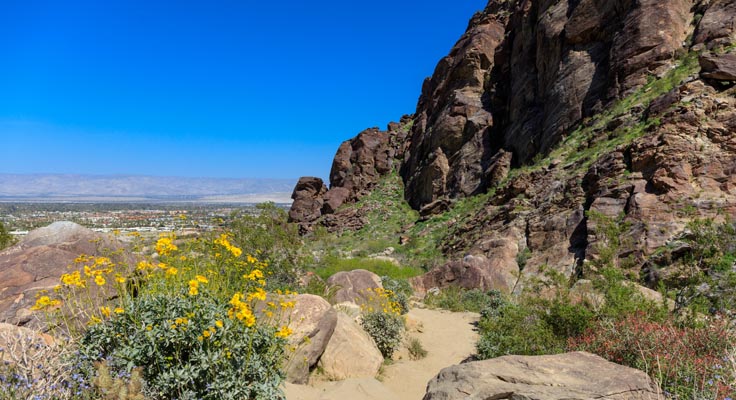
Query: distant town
pixel 20 218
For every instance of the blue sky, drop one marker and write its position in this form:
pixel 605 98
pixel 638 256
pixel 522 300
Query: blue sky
pixel 243 88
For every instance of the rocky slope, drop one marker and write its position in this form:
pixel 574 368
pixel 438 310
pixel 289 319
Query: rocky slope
pixel 551 110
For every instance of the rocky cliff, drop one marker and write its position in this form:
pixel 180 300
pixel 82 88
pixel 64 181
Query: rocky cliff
pixel 556 110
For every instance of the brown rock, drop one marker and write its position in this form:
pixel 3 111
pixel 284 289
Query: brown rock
pixel 350 353
pixel 718 67
pixel 473 272
pixel 353 286
pixel 334 198
pixel 39 260
pixel 577 375
pixel 717 26
pixel 308 200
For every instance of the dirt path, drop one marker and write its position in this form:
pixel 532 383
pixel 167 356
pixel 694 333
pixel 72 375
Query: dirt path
pixel 448 338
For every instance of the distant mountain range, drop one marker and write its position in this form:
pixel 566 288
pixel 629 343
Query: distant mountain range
pixel 65 187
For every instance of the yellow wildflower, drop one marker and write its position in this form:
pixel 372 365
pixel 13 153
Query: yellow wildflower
pixel 105 311
pixel 162 265
pixel 201 279
pixel 165 245
pixel 218 323
pixel 118 310
pixel 284 332
pixel 119 278
pixel 144 265
pixel 193 287
pixel 171 271
pixel 44 302
pixel 99 280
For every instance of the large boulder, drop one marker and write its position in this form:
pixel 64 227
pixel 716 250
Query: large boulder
pixel 353 286
pixel 308 200
pixel 38 261
pixel 312 321
pixel 472 272
pixel 351 352
pixel 571 376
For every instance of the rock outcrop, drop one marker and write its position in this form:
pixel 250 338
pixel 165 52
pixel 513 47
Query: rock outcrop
pixel 523 75
pixel 357 167
pixel 500 273
pixel 576 375
pixel 350 353
pixel 38 261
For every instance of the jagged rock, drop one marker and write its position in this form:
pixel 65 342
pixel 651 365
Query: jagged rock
pixel 334 198
pixel 574 376
pixel 717 26
pixel 312 321
pixel 523 75
pixel 354 286
pixel 361 161
pixel 350 353
pixel 308 199
pixel 39 260
pixel 718 67
pixel 472 272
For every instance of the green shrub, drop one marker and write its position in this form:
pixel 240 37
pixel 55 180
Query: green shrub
pixel 187 347
pixel 416 350
pixel 386 329
pixel 515 329
pixel 454 298
pixel 6 239
pixel 400 292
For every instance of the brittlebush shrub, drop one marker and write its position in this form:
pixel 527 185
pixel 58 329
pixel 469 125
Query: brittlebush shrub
pixel 386 329
pixel 186 319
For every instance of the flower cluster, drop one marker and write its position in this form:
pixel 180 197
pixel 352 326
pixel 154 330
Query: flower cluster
pixel 224 241
pixel 165 245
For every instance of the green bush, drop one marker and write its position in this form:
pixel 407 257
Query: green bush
pixel 386 329
pixel 188 348
pixel 400 292
pixel 6 239
pixel 454 298
pixel 416 350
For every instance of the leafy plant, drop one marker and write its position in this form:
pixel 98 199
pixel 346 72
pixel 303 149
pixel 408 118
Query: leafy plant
pixel 386 329
pixel 400 292
pixel 454 298
pixel 416 350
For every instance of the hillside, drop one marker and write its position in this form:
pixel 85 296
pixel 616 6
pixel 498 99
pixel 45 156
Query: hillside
pixel 546 121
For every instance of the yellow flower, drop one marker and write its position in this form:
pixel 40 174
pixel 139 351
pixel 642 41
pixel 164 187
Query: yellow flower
pixel 99 280
pixel 105 311
pixel 251 259
pixel 144 265
pixel 94 320
pixel 284 332
pixel 193 287
pixel 206 333
pixel 201 279
pixel 259 294
pixel 165 245
pixel 73 279
pixel 119 278
pixel 44 302
pixel 119 310
pixel 149 328
pixel 171 271
pixel 183 258
pixel 162 265
pixel 218 323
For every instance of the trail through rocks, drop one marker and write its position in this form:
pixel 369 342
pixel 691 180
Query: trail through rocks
pixel 448 337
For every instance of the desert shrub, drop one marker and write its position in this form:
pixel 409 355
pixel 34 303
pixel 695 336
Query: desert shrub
pixel 186 320
pixel 687 362
pixel 416 350
pixel 6 239
pixel 386 329
pixel 454 298
pixel 516 329
pixel 190 347
pixel 400 292
pixel 269 235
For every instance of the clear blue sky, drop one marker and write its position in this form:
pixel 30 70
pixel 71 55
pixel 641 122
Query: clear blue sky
pixel 209 88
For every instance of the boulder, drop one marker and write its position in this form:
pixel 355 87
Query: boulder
pixel 38 261
pixel 718 67
pixel 472 272
pixel 353 286
pixel 572 376
pixel 312 321
pixel 717 26
pixel 308 200
pixel 350 353
pixel 17 341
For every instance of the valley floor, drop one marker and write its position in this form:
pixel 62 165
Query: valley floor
pixel 448 337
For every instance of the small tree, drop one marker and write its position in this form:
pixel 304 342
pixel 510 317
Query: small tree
pixel 6 239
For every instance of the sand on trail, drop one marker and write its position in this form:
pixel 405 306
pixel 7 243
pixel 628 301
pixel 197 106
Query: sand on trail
pixel 448 337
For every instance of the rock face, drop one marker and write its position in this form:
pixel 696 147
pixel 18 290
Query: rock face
pixel 718 67
pixel 312 321
pixel 37 262
pixel 526 72
pixel 358 165
pixel 571 376
pixel 350 353
pixel 353 286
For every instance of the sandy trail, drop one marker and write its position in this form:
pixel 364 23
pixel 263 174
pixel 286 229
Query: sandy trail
pixel 448 338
